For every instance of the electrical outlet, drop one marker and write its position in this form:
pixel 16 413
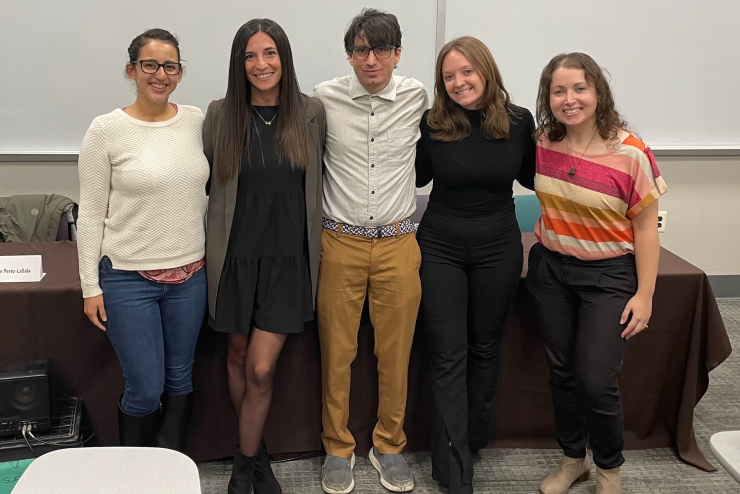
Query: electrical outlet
pixel 662 220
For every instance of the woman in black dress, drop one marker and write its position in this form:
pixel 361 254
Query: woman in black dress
pixel 264 143
pixel 474 144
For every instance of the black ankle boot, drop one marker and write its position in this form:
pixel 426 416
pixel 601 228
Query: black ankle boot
pixel 242 474
pixel 137 431
pixel 176 412
pixel 264 480
pixel 476 446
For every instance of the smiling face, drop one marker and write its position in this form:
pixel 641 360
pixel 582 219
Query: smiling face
pixel 155 88
pixel 373 73
pixel 262 63
pixel 463 83
pixel 573 100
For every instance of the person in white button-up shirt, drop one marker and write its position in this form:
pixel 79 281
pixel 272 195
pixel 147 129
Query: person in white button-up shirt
pixel 368 244
pixel 369 178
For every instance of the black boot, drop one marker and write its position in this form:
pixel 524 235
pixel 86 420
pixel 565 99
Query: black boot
pixel 264 480
pixel 242 474
pixel 176 412
pixel 137 431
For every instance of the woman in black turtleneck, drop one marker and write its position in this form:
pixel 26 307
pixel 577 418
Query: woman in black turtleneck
pixel 474 144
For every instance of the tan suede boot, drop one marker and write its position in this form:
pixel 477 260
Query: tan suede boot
pixel 569 471
pixel 608 481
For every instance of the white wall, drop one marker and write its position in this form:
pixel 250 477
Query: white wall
pixel 48 105
pixel 703 204
pixel 660 54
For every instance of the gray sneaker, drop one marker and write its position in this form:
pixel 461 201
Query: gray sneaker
pixel 395 474
pixel 336 474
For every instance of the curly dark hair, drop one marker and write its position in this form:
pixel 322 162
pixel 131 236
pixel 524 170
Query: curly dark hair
pixel 608 120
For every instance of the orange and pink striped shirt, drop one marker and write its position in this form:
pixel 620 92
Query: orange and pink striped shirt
pixel 589 216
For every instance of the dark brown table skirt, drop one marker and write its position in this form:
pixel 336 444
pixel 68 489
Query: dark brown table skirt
pixel 665 370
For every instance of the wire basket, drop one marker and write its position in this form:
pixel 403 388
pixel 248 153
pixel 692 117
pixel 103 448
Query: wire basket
pixel 66 431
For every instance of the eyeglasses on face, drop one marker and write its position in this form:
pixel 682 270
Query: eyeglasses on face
pixel 152 66
pixel 381 52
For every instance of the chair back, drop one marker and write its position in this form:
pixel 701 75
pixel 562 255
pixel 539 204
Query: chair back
pixel 527 211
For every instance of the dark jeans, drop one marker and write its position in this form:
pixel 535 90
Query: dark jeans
pixel 469 273
pixel 580 304
pixel 153 328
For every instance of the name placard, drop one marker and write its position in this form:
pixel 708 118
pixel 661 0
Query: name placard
pixel 21 269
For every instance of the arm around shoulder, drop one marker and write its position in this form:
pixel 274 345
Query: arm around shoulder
pixel 210 133
pixel 318 109
pixel 422 98
pixel 528 167
pixel 317 91
pixel 423 163
pixel 210 130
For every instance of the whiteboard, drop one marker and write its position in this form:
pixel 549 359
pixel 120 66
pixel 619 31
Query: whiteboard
pixel 674 64
pixel 48 96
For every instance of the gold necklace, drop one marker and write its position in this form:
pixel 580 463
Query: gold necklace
pixel 266 122
pixel 572 171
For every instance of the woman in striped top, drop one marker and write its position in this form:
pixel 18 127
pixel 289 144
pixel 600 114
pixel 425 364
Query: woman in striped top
pixel 592 273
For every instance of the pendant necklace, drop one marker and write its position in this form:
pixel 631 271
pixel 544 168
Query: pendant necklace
pixel 267 122
pixel 572 171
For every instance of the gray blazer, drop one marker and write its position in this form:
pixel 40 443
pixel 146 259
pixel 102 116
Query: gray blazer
pixel 222 197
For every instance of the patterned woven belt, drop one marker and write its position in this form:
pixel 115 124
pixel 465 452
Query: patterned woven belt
pixel 407 226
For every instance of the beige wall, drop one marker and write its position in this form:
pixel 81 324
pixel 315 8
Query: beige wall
pixel 703 203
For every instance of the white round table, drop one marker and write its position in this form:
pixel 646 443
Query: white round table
pixel 725 447
pixel 113 470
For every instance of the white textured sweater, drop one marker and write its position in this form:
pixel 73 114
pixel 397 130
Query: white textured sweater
pixel 142 194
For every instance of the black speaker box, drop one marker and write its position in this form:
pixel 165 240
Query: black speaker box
pixel 24 397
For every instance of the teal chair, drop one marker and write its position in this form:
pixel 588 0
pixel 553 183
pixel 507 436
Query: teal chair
pixel 527 211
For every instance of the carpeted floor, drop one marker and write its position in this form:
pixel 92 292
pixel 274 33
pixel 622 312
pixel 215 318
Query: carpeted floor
pixel 521 470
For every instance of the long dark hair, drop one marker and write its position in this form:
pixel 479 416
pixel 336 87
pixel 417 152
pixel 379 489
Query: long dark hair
pixel 608 120
pixel 447 118
pixel 292 134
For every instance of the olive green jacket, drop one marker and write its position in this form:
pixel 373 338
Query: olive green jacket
pixel 222 197
pixel 32 218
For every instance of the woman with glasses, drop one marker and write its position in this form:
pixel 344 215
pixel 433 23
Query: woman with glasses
pixel 474 144
pixel 264 142
pixel 141 242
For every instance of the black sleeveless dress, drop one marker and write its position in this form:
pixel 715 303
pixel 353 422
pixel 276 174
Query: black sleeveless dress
pixel 265 281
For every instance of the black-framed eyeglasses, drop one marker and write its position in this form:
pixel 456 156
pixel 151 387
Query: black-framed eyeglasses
pixel 381 52
pixel 152 66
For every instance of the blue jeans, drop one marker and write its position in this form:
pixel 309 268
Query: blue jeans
pixel 153 328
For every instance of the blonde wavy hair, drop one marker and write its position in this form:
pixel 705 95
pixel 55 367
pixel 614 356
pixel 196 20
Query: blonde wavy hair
pixel 447 119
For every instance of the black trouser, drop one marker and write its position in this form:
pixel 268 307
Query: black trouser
pixel 580 304
pixel 470 270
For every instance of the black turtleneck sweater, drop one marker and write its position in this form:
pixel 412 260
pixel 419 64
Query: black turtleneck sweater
pixel 476 174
